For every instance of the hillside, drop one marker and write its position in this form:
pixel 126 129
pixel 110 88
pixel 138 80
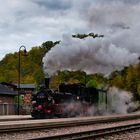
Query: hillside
pixel 31 65
pixel 32 72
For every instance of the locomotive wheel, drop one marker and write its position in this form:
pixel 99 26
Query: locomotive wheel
pixel 49 116
pixel 41 116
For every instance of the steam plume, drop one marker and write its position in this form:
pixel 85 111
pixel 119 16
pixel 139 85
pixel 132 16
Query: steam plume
pixel 120 102
pixel 89 55
pixel 118 21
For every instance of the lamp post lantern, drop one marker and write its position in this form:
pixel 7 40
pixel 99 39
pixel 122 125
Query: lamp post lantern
pixel 25 53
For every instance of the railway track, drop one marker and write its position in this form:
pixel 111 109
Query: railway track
pixel 25 125
pixel 92 134
pixel 46 125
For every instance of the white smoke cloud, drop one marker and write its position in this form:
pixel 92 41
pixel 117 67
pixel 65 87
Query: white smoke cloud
pixel 120 102
pixel 118 21
pixel 89 55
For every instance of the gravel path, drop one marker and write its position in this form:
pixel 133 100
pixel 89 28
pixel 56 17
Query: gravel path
pixel 131 135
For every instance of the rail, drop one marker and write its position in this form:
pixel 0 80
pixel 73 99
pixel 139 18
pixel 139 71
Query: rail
pixel 24 125
pixel 100 132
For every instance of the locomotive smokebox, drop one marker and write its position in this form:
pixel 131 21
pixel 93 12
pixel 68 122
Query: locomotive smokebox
pixel 47 81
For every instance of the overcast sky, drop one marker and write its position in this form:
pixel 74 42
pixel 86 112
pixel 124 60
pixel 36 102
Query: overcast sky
pixel 32 22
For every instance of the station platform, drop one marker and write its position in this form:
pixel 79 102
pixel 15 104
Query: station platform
pixel 14 117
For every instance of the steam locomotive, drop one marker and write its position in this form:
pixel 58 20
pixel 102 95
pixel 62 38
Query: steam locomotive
pixel 69 100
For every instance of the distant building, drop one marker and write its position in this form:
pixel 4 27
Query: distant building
pixel 9 98
pixel 7 95
pixel 26 91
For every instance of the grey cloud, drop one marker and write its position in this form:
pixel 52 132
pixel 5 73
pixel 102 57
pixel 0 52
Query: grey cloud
pixel 131 2
pixel 104 15
pixel 54 5
pixel 32 22
pixel 120 25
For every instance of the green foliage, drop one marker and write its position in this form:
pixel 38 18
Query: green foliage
pixel 82 36
pixel 127 79
pixel 30 66
pixel 92 83
pixel 20 99
pixel 49 44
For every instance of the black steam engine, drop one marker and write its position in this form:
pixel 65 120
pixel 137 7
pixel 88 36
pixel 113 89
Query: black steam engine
pixel 69 101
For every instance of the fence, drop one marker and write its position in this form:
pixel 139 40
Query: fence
pixel 12 109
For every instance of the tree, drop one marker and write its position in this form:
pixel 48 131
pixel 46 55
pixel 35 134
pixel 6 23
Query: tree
pixel 49 44
pixel 92 83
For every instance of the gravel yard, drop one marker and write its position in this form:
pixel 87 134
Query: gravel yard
pixel 131 135
pixel 23 135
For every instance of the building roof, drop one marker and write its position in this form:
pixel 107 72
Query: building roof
pixel 26 86
pixel 8 84
pixel 5 90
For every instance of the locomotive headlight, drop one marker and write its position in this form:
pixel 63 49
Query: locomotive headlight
pixel 33 102
pixel 78 98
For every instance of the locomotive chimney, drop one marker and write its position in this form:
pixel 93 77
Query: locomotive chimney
pixel 47 81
